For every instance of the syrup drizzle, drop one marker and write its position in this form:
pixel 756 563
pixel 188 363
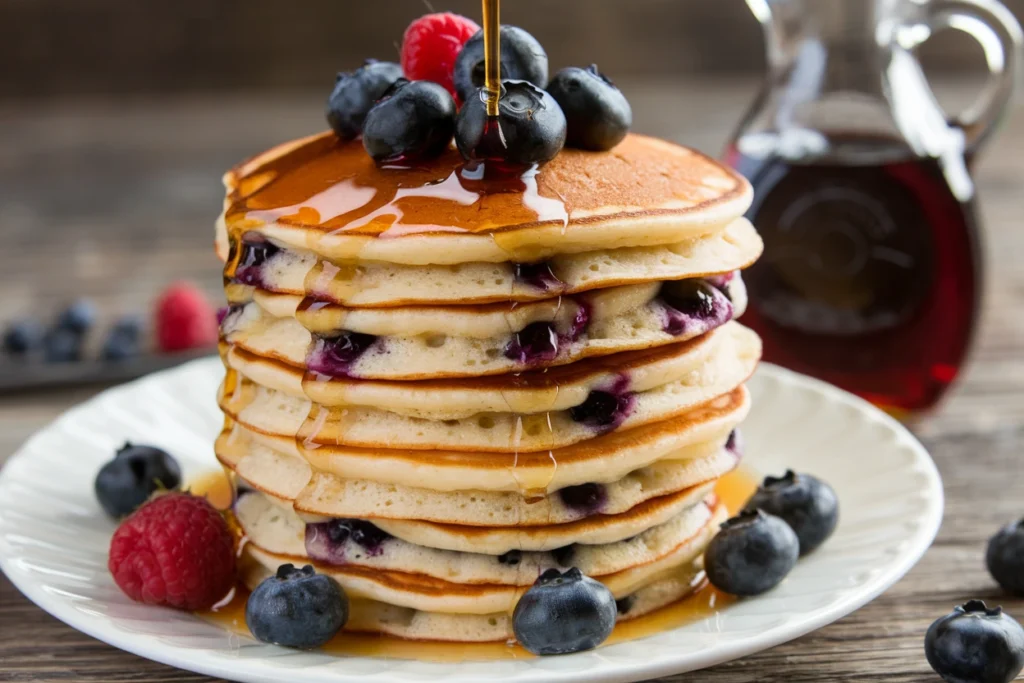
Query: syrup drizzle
pixel 335 187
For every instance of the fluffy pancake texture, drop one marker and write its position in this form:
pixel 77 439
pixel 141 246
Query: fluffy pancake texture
pixel 270 411
pixel 473 341
pixel 602 459
pixel 438 387
pixel 371 284
pixel 412 575
pixel 556 388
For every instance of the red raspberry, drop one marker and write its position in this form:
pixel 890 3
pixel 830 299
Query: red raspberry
pixel 176 550
pixel 431 45
pixel 184 319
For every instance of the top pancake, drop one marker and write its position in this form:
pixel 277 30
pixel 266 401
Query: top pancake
pixel 328 196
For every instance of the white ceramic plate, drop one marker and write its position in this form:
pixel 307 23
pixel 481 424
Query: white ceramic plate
pixel 53 537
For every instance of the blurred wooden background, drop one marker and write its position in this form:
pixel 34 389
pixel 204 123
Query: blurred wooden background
pixel 135 47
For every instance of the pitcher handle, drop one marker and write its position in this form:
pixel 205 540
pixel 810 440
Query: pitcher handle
pixel 997 31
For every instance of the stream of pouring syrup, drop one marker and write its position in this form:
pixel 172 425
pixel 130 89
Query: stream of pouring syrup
pixel 492 55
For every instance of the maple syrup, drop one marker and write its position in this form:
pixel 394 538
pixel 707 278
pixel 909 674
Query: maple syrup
pixel 870 274
pixel 492 55
pixel 334 186
pixel 705 602
pixel 488 153
pixel 217 486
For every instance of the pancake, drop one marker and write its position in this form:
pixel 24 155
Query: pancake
pixel 427 593
pixel 330 496
pixel 485 321
pixel 369 616
pixel 328 196
pixel 432 342
pixel 558 388
pixel 291 482
pixel 596 529
pixel 278 530
pixel 276 413
pixel 603 459
pixel 302 273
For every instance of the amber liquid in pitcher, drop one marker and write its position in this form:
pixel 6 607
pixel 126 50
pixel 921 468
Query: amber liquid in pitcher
pixel 869 278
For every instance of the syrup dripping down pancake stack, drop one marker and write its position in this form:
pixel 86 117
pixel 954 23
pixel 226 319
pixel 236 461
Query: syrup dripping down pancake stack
pixel 437 388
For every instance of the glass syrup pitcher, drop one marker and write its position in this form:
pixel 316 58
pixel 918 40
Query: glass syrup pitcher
pixel 870 277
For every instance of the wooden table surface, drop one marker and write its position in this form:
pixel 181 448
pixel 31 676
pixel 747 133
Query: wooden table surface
pixel 115 200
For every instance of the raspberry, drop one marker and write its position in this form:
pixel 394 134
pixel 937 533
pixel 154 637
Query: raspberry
pixel 176 550
pixel 184 319
pixel 431 45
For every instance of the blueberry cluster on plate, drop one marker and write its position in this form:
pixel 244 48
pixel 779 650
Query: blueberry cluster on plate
pixel 404 117
pixel 787 517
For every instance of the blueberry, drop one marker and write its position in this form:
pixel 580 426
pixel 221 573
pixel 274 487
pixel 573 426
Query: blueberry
pixel 695 298
pixel 413 120
pixel 355 94
pixel 751 554
pixel 330 541
pixel 511 558
pixel 580 321
pixel 78 317
pixel 522 59
pixel 623 605
pixel 587 498
pixel 735 443
pixel 334 355
pixel 563 556
pixel 805 503
pixel 255 252
pixel 603 410
pixel 690 302
pixel 1005 557
pixel 538 275
pixel 296 608
pixel 22 337
pixel 363 533
pixel 564 613
pixel 597 112
pixel 974 644
pixel 534 343
pixel 63 345
pixel 135 473
pixel 530 128
pixel 123 339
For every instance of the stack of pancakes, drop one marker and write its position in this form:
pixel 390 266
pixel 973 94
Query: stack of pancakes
pixel 440 386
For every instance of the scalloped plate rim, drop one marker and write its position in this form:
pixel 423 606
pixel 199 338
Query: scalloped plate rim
pixel 223 663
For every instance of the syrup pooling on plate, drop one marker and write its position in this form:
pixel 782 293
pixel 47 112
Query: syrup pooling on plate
pixel 335 186
pixel 704 603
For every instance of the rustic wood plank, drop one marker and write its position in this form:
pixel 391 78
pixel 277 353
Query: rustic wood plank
pixel 115 200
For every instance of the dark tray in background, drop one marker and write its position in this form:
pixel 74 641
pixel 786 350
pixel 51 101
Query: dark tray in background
pixel 32 374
